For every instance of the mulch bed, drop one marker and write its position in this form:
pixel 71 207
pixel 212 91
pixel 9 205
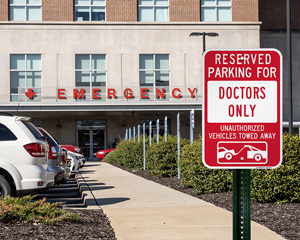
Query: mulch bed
pixel 93 225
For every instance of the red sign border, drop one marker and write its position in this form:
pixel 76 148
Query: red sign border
pixel 204 109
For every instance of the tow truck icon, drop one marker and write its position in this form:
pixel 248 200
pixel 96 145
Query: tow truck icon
pixel 256 152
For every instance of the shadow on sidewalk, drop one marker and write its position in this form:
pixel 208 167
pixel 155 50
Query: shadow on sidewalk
pixel 110 201
pixel 92 188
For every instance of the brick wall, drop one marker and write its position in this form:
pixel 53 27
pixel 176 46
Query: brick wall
pixel 184 10
pixel 245 10
pixel 180 11
pixel 62 10
pixel 4 10
pixel 273 15
pixel 121 10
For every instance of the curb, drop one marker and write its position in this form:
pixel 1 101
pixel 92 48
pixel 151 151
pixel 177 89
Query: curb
pixel 88 197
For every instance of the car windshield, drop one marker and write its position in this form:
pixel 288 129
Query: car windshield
pixel 36 133
pixel 222 149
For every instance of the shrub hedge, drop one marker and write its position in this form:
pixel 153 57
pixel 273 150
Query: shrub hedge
pixel 128 153
pixel 283 183
pixel 195 174
pixel 161 159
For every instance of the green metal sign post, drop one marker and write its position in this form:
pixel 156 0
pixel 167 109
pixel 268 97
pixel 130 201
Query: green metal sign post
pixel 241 204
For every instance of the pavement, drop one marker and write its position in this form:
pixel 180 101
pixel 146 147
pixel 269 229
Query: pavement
pixel 141 209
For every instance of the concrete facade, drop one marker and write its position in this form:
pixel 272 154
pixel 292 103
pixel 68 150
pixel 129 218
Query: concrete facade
pixel 121 38
pixel 122 43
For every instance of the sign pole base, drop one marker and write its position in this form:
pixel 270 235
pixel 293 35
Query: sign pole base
pixel 241 204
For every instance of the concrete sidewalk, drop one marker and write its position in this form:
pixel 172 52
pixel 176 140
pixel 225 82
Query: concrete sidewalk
pixel 141 209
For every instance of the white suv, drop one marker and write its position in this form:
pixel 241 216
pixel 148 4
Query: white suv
pixel 23 157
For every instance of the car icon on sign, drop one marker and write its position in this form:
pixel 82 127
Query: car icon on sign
pixel 241 152
pixel 225 153
pixel 255 153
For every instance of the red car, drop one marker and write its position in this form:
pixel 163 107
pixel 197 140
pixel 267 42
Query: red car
pixel 102 153
pixel 72 148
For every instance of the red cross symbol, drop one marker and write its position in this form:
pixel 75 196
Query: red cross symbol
pixel 30 93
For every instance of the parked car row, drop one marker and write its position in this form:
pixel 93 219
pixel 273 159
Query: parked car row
pixel 31 160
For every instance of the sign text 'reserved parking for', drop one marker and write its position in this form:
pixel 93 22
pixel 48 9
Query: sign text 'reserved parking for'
pixel 242 108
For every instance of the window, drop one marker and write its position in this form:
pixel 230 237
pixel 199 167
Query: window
pixel 155 73
pixel 90 10
pixel 6 134
pixel 25 73
pixel 90 72
pixel 37 123
pixel 216 10
pixel 26 10
pixel 35 132
pixel 154 10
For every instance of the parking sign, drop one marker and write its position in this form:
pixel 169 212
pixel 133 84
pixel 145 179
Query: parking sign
pixel 242 119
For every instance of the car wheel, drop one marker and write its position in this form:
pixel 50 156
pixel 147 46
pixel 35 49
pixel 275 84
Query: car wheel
pixel 5 188
pixel 257 157
pixel 228 156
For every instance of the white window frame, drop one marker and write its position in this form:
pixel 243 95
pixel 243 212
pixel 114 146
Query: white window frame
pixel 26 5
pixel 25 70
pixel 91 70
pixel 90 6
pixel 154 7
pixel 217 7
pixel 154 70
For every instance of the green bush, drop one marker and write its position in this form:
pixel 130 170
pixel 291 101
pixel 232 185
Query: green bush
pixel 114 156
pixel 24 210
pixel 128 153
pixel 195 174
pixel 161 159
pixel 283 183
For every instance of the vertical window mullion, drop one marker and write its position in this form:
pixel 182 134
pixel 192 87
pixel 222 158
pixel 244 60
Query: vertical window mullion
pixel 154 72
pixel 154 76
pixel 26 72
pixel 90 15
pixel 25 75
pixel 91 6
pixel 90 75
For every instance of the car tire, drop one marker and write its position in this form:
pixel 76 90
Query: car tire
pixel 5 188
pixel 228 156
pixel 257 157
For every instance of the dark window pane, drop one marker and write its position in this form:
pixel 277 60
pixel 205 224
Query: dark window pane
pixel 82 79
pixel 98 16
pixel 6 134
pixel 82 16
pixel 36 133
pixel 49 137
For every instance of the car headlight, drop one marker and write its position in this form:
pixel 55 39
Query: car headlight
pixel 101 152
pixel 77 149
